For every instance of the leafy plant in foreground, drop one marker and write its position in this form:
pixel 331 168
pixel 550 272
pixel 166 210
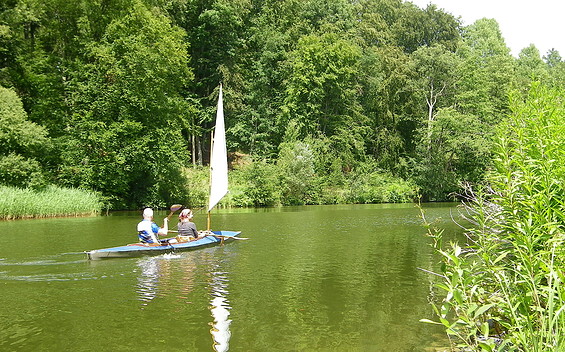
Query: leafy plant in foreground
pixel 504 290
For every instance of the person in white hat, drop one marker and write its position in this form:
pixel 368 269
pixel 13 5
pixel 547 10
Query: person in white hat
pixel 148 231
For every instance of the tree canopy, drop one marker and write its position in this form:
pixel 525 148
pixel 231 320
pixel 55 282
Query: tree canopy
pixel 119 97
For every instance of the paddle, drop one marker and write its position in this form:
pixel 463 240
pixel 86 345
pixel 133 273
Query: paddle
pixel 174 208
pixel 232 237
pixel 218 236
pixel 224 237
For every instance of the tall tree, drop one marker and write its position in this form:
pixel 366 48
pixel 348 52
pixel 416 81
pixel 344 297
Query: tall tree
pixel 435 75
pixel 217 31
pixel 487 72
pixel 556 68
pixel 416 28
pixel 127 109
pixel 322 91
pixel 530 67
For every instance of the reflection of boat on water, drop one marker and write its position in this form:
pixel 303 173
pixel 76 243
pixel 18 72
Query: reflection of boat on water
pixel 219 307
pixel 218 189
pixel 148 280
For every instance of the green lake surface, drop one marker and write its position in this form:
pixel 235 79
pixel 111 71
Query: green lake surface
pixel 311 278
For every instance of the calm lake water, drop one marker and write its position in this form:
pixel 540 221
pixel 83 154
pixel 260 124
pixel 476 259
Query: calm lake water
pixel 313 278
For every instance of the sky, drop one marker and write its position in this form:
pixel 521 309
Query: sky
pixel 522 22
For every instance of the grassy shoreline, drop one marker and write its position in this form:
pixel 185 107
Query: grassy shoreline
pixel 17 203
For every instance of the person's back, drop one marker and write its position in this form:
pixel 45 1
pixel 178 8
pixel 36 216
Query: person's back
pixel 147 230
pixel 185 226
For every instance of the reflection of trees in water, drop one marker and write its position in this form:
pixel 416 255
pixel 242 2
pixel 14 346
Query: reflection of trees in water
pixel 350 281
pixel 219 306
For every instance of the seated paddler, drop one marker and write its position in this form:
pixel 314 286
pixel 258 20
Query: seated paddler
pixel 185 226
pixel 148 231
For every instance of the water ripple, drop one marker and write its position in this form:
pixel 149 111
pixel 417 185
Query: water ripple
pixel 46 260
pixel 46 277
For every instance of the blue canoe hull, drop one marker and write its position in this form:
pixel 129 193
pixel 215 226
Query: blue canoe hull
pixel 138 249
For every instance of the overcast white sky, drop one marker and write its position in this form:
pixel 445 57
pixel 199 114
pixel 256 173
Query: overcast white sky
pixel 522 22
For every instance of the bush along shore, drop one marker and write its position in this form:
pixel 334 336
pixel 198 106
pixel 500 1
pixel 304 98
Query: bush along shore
pixel 52 201
pixel 258 183
pixel 504 289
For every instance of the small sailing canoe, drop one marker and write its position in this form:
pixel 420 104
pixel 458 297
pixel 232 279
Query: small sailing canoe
pixel 139 249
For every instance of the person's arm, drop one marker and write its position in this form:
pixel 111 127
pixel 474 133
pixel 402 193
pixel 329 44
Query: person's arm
pixel 193 229
pixel 165 229
pixel 155 231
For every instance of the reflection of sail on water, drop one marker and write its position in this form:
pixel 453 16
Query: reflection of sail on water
pixel 219 306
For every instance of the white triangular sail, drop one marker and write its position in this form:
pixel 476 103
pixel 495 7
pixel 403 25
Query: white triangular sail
pixel 218 159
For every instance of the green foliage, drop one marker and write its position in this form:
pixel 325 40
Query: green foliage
pixel 20 143
pixel 456 149
pixel 466 94
pixel 52 201
pixel 303 178
pixel 297 173
pixel 530 67
pixel 487 72
pixel 17 133
pixel 195 185
pixel 556 68
pixel 322 88
pixel 385 76
pixel 255 184
pixel 123 94
pixel 505 291
pixel 17 171
pixel 123 140
pixel 367 184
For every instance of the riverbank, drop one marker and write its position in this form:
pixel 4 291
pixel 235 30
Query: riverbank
pixel 17 203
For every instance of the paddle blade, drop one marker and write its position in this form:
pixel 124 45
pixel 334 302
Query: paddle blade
pixel 175 207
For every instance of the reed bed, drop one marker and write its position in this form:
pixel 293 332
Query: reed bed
pixel 16 203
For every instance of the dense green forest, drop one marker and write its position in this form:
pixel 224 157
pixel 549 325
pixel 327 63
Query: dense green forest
pixel 325 100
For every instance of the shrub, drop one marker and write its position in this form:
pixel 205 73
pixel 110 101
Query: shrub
pixel 17 171
pixel 255 184
pixel 505 290
pixel 196 186
pixel 297 173
pixel 367 184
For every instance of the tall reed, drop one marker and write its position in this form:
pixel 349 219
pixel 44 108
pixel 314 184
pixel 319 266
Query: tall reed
pixel 16 203
pixel 505 289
